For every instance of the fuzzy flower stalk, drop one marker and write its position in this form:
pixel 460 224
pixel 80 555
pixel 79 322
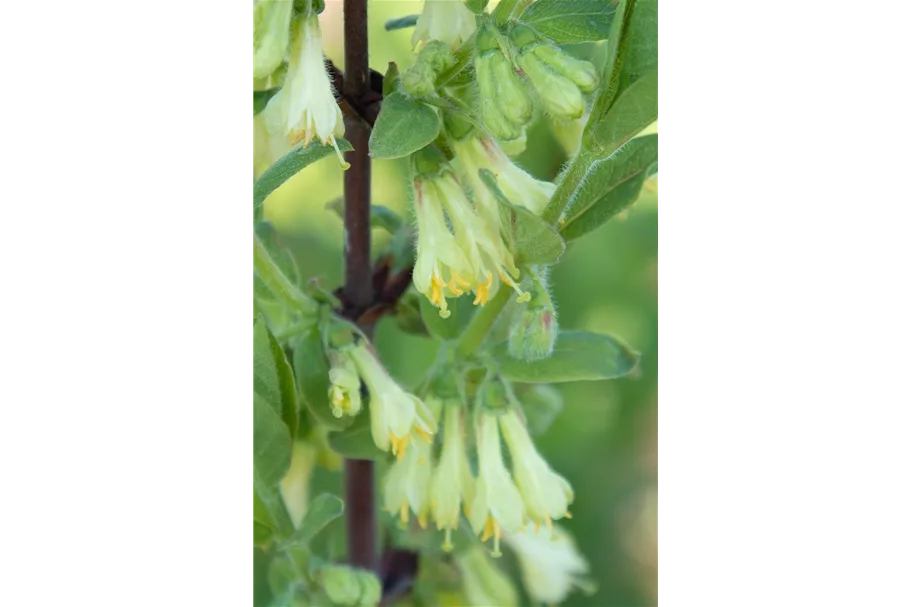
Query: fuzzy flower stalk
pixel 464 254
pixel 306 108
pixel 447 20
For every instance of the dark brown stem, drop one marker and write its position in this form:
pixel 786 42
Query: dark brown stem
pixel 360 507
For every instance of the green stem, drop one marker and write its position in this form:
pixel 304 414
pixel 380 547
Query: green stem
pixel 278 283
pixel 567 186
pixel 483 320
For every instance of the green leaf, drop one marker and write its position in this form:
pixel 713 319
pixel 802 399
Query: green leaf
pixel 541 404
pixel 610 185
pixel 633 110
pixel 311 368
pixel 271 443
pixel 570 20
pixel 380 216
pixel 577 356
pixel 321 511
pixel 529 237
pixel 399 23
pixel 356 442
pixel 392 79
pixel 404 126
pixel 476 6
pixel 270 516
pixel 461 311
pixel 282 257
pixel 641 54
pixel 261 98
pixel 273 380
pixel 290 164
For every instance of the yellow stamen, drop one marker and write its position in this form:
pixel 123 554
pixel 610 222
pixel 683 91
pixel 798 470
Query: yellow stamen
pixel 447 543
pixel 496 541
pixel 482 290
pixel 422 521
pixel 568 514
pixel 341 159
pixel 403 513
pixel 423 434
pixel 488 529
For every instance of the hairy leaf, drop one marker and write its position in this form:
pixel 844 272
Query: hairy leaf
pixel 321 511
pixel 271 443
pixel 633 110
pixel 641 54
pixel 404 126
pixel 292 163
pixel 570 20
pixel 273 380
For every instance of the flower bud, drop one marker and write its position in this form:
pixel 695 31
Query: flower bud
pixel 341 584
pixel 418 80
pixel 516 146
pixel 438 55
pixel 533 333
pixel 561 97
pixel 345 389
pixel 582 73
pixel 271 34
pixel 505 106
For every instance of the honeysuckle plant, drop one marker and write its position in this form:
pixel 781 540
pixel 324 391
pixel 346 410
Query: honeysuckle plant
pixel 446 469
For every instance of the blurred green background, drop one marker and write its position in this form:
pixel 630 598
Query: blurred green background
pixel 605 439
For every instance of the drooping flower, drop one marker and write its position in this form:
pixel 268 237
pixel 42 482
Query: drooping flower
pixel 345 390
pixel 394 413
pixel 546 494
pixel 477 152
pixel 446 20
pixel 407 484
pixel 483 582
pixel 469 256
pixel 452 482
pixel 480 241
pixel 551 564
pixel 497 507
pixel 305 107
pixel 441 269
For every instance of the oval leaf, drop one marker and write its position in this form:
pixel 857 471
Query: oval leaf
pixel 320 512
pixel 273 380
pixel 403 126
pixel 577 356
pixel 531 240
pixel 610 185
pixel 290 164
pixel 633 110
pixel 271 444
pixel 311 368
pixel 571 20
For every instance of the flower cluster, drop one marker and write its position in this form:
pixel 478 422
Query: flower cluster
pixel 396 417
pixel 459 246
pixel 497 502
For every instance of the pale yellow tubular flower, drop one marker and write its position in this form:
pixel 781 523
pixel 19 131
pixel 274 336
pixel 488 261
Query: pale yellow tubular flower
pixel 497 507
pixel 345 390
pixel 446 20
pixel 546 494
pixel 551 564
pixel 481 242
pixel 407 483
pixel 482 152
pixel 306 107
pixel 447 489
pixel 394 413
pixel 441 268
